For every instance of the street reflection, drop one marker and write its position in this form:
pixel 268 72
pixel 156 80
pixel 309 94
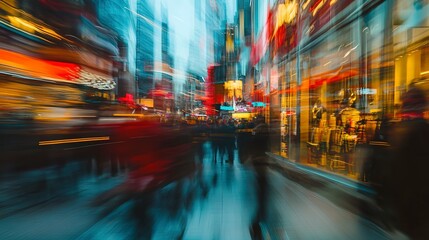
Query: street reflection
pixel 154 180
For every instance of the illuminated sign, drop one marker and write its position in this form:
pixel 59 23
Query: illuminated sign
pixel 233 84
pixel 96 81
pixel 258 104
pixel 367 91
pixel 226 108
pixel 51 70
pixel 38 68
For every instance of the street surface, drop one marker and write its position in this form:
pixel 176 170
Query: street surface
pixel 219 201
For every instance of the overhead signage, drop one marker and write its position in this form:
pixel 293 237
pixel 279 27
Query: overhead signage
pixel 226 108
pixel 258 104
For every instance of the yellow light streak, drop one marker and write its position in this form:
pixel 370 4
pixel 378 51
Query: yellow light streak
pixel 305 4
pixel 73 140
pixel 31 27
pixel 128 115
pixel 21 30
pixel 318 6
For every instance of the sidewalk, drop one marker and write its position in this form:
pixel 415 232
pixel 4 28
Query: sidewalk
pixel 57 218
pixel 227 211
pixel 346 193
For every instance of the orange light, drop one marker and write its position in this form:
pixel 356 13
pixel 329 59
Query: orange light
pixel 38 68
pixel 73 140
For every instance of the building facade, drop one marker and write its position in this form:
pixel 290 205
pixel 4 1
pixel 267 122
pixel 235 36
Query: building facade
pixel 144 48
pixel 334 71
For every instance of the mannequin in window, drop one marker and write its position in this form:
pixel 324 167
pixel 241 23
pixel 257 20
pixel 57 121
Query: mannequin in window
pixel 349 115
pixel 317 111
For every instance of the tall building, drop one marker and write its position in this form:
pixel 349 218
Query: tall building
pixel 166 57
pixel 144 48
pixel 208 39
pixel 243 20
pixel 163 87
pixel 218 30
pixel 197 48
pixel 224 73
pixel 120 15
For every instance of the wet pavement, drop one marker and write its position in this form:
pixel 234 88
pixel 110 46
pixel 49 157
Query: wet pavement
pixel 59 217
pixel 219 201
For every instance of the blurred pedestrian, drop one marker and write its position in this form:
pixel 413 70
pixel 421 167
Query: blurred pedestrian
pixel 405 193
pixel 229 140
pixel 215 140
pixel 243 139
pixel 259 144
pixel 260 138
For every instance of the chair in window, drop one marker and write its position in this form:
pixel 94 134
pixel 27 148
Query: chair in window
pixel 313 153
pixel 349 153
pixel 335 150
pixel 313 147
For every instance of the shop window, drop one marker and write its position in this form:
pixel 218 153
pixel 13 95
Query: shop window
pixel 335 99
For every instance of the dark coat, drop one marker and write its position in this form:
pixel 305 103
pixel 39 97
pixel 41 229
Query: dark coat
pixel 406 185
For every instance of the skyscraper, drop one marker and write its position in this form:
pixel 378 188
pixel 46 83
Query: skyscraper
pixel 144 48
pixel 120 15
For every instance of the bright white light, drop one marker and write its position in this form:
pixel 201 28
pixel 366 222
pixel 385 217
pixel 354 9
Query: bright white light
pixel 350 51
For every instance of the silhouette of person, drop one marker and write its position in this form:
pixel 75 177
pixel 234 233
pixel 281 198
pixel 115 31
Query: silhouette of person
pixel 229 141
pixel 405 192
pixel 317 112
pixel 259 145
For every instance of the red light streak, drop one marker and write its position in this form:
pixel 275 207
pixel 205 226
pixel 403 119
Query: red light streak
pixel 39 68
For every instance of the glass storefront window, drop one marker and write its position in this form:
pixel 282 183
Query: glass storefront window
pixel 411 46
pixel 332 106
pixel 288 119
pixel 339 87
pixel 330 96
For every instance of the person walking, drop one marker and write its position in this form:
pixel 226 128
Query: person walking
pixel 405 193
pixel 259 144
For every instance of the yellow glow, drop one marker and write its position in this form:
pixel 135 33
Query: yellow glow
pixel 291 10
pixel 146 102
pixel 22 24
pixel 305 5
pixel 242 115
pixel 424 73
pixel 233 84
pixel 286 13
pixel 73 140
pixel 31 27
pixel 56 119
pixel 50 32
pixel 280 16
pixel 319 6
pixel 332 2
pixel 229 44
pixel 128 115
pixel 11 2
pixel 234 88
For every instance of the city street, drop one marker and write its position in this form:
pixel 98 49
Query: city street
pixel 214 119
pixel 219 201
